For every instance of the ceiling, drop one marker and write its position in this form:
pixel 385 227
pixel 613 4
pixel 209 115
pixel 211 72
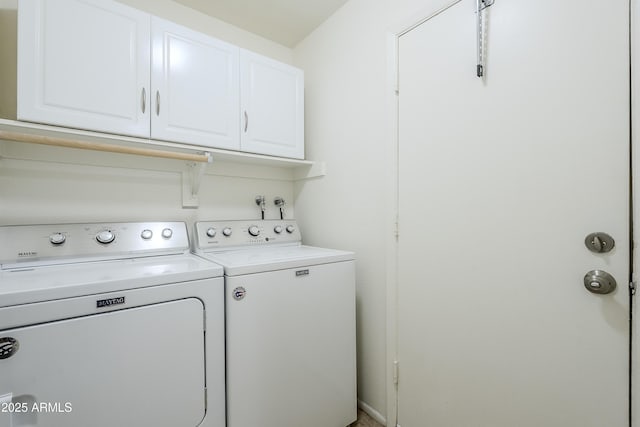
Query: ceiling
pixel 284 21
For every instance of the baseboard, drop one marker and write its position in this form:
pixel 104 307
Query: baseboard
pixel 372 412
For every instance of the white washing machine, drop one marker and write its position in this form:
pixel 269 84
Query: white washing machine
pixel 290 325
pixel 108 325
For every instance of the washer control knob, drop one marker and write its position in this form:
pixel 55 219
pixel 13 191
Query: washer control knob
pixel 290 229
pixel 146 234
pixel 277 229
pixel 227 231
pixel 211 232
pixel 57 238
pixel 105 237
pixel 254 231
pixel 167 233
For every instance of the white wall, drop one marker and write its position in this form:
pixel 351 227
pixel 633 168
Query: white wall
pixel 40 184
pixel 198 21
pixel 345 62
pixel 120 187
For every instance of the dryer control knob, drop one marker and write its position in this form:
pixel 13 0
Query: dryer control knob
pixel 290 229
pixel 57 238
pixel 227 231
pixel 277 229
pixel 211 232
pixel 254 231
pixel 167 233
pixel 105 237
pixel 146 234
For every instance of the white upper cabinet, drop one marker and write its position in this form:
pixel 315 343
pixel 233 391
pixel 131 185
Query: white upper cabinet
pixel 272 107
pixel 195 87
pixel 104 66
pixel 84 64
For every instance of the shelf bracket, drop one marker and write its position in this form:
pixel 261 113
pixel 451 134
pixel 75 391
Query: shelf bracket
pixel 316 170
pixel 191 180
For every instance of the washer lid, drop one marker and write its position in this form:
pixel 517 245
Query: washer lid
pixel 260 259
pixel 44 283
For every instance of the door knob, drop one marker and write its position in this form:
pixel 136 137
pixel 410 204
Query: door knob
pixel 599 242
pixel 599 282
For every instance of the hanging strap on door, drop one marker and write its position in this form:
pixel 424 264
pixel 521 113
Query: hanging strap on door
pixel 481 5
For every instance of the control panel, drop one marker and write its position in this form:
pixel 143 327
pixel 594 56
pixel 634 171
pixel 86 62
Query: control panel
pixel 226 234
pixel 35 243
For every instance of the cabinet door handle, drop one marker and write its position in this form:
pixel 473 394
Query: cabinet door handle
pixel 158 102
pixel 246 121
pixel 144 100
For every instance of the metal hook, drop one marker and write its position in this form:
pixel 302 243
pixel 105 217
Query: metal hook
pixel 486 4
pixel 480 6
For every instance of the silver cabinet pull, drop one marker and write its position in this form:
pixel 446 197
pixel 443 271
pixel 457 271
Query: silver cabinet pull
pixel 246 121
pixel 158 102
pixel 144 100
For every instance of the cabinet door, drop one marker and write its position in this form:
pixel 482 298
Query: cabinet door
pixel 84 64
pixel 195 87
pixel 272 100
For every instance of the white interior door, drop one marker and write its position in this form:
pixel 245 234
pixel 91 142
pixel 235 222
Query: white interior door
pixel 500 181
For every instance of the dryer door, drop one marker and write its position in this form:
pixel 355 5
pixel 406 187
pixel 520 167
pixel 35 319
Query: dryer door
pixel 142 366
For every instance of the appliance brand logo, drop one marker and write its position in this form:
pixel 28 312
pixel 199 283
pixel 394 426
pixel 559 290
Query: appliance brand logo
pixel 109 302
pixel 8 347
pixel 239 293
pixel 302 273
pixel 25 254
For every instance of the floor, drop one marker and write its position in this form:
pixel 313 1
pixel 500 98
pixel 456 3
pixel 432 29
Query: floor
pixel 365 420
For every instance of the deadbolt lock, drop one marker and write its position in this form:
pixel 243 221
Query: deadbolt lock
pixel 599 282
pixel 599 242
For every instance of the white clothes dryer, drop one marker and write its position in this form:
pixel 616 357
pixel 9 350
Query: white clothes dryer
pixel 108 325
pixel 290 325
